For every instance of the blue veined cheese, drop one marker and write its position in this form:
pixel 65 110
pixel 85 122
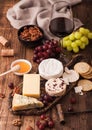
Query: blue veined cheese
pixel 21 102
pixel 31 85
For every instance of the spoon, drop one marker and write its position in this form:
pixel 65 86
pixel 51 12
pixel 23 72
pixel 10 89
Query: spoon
pixel 14 68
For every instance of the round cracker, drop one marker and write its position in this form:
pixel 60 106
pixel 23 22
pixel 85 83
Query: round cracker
pixel 86 84
pixel 88 72
pixel 87 76
pixel 82 67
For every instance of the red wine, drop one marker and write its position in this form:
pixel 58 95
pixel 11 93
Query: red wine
pixel 61 26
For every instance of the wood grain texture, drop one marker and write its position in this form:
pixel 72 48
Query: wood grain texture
pixel 73 122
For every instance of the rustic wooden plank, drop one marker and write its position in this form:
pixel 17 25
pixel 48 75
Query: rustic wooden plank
pixel 73 122
pixel 29 52
pixel 27 121
pixel 55 118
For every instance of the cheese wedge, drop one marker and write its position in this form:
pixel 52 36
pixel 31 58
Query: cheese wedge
pixel 31 85
pixel 21 102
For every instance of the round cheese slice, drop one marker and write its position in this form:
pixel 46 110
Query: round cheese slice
pixel 70 75
pixel 55 87
pixel 50 68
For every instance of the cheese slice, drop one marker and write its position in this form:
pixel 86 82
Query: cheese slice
pixel 31 85
pixel 21 102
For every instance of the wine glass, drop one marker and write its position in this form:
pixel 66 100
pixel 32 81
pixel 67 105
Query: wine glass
pixel 61 22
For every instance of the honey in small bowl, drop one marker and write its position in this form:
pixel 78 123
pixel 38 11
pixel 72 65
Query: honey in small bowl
pixel 25 66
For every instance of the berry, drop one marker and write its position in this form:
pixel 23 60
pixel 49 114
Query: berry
pixel 38 123
pixel 76 40
pixel 73 100
pixel 82 46
pixel 43 116
pixel 40 54
pixel 44 121
pixel 11 85
pixel 41 127
pixel 49 49
pixel 76 49
pixel 69 48
pixel 72 37
pixel 45 102
pixel 90 35
pixel 78 35
pixel 58 50
pixel 51 124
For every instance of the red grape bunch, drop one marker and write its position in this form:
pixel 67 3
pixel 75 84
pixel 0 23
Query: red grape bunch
pixel 44 121
pixel 50 49
pixel 46 99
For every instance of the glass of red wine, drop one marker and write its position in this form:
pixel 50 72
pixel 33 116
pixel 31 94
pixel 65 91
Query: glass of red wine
pixel 61 22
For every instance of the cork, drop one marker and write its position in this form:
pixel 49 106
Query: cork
pixel 60 113
pixel 7 52
pixel 4 41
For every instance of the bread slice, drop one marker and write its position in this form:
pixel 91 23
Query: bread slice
pixel 21 102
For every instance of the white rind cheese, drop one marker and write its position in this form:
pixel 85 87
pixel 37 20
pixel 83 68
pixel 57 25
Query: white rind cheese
pixel 21 102
pixel 50 68
pixel 31 85
pixel 55 87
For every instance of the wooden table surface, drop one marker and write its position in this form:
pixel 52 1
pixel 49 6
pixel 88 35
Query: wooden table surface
pixel 80 121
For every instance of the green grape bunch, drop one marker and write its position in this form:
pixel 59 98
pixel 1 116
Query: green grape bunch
pixel 77 40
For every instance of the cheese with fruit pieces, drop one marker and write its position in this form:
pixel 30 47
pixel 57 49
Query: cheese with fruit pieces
pixel 21 102
pixel 55 87
pixel 31 85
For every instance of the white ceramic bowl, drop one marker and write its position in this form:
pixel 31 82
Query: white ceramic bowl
pixel 26 62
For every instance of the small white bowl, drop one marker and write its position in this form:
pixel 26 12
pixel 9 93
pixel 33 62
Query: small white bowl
pixel 21 61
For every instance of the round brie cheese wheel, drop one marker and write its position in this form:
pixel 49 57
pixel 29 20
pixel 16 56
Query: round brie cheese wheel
pixel 55 87
pixel 50 68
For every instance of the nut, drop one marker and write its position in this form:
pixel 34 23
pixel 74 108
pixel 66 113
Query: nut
pixel 31 33
pixel 29 128
pixel 17 122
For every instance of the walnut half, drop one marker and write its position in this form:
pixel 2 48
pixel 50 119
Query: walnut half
pixel 17 122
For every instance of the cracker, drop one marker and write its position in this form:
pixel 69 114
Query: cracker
pixel 81 67
pixel 86 84
pixel 89 72
pixel 87 76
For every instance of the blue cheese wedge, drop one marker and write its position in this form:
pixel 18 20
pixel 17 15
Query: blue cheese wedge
pixel 21 102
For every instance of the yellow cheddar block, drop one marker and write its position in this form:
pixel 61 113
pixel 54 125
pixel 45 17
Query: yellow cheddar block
pixel 31 85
